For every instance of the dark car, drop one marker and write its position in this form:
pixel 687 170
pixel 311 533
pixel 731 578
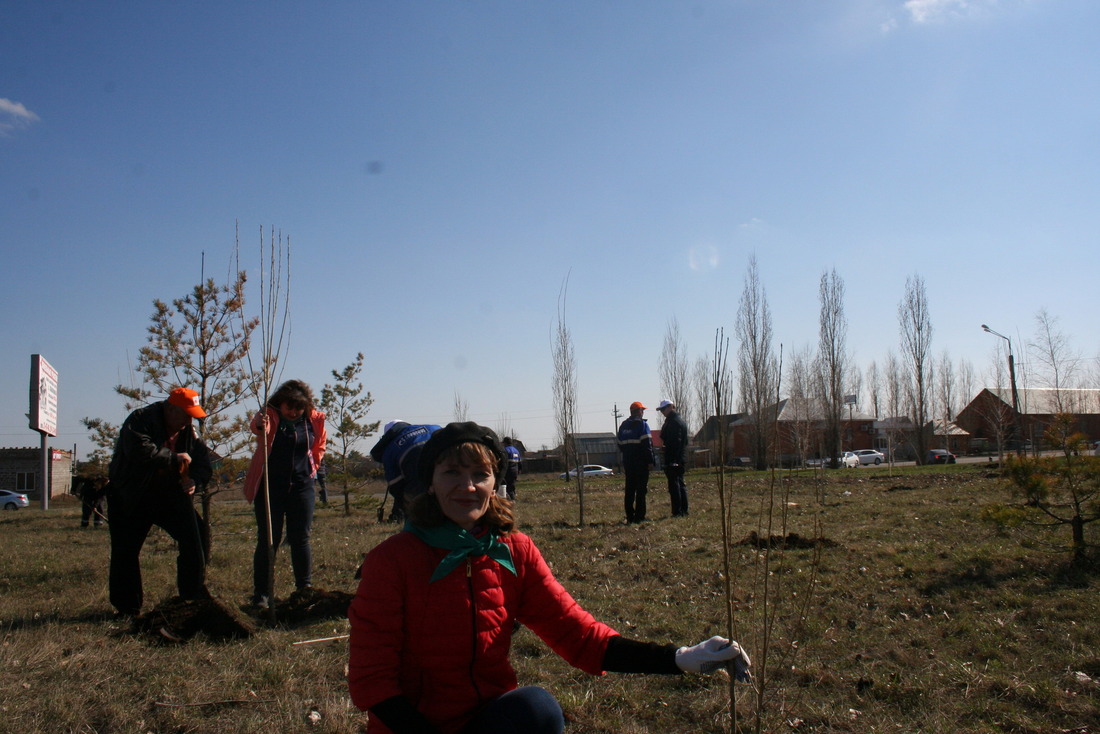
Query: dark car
pixel 940 456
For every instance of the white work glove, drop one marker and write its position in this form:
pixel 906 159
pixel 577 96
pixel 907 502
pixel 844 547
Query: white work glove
pixel 712 654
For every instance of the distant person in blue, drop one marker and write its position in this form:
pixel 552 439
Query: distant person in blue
pixel 398 452
pixel 636 446
pixel 674 435
pixel 511 471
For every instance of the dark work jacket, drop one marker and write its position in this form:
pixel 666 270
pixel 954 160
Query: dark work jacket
pixel 674 435
pixel 142 466
pixel 634 443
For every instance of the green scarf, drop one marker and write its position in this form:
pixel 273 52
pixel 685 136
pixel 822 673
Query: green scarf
pixel 462 544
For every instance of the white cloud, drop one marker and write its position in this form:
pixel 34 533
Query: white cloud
pixel 928 11
pixel 14 116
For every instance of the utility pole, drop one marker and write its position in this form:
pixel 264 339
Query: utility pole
pixel 1015 395
pixel 615 430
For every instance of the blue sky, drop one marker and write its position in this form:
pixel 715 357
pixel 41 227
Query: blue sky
pixel 441 167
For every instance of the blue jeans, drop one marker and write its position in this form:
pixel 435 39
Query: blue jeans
pixel 526 710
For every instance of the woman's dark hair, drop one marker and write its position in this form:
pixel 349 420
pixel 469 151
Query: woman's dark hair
pixel 295 393
pixel 424 509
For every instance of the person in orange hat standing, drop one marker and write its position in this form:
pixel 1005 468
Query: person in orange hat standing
pixel 158 459
pixel 637 450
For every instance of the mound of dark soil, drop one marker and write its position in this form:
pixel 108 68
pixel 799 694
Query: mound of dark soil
pixel 306 606
pixel 177 620
pixel 791 540
pixel 312 605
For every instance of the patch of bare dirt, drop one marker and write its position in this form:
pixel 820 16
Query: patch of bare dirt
pixel 791 540
pixel 313 605
pixel 177 620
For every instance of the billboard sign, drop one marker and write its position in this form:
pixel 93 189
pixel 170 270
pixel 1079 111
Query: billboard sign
pixel 43 396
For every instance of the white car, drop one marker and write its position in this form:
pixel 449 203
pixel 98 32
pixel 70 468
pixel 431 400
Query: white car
pixel 847 461
pixel 870 456
pixel 13 500
pixel 590 470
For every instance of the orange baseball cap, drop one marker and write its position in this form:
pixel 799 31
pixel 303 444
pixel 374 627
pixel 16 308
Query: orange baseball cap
pixel 637 404
pixel 187 399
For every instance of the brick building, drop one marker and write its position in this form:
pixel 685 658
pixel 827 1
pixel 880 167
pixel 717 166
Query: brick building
pixel 20 470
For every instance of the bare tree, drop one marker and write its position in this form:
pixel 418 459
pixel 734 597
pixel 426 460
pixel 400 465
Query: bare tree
pixel 832 359
pixel 756 362
pixel 504 426
pixel 800 402
pixel 915 325
pixel 1057 363
pixel 565 394
pixel 873 383
pixel 996 415
pixel 947 395
pixel 966 381
pixel 673 371
pixel 894 383
pixel 701 376
pixel 461 409
pixel 722 385
pixel 273 324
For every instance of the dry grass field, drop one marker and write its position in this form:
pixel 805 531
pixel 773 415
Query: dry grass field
pixel 891 607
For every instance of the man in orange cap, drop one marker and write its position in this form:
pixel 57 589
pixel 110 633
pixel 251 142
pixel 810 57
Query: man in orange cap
pixel 157 460
pixel 637 449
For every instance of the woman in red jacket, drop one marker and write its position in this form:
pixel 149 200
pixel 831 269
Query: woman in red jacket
pixel 432 621
pixel 291 436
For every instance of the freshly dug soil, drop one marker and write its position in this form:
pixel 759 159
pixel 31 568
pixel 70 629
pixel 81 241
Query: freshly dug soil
pixel 177 620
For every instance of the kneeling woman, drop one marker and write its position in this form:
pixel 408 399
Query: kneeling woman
pixel 432 622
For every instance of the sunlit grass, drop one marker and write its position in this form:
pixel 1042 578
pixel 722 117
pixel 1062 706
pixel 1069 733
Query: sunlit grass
pixel 921 617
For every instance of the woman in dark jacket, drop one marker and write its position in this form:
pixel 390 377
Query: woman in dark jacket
pixel 290 445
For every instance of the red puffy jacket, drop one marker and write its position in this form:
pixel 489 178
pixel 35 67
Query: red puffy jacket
pixel 444 645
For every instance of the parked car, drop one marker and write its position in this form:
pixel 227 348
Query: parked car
pixel 940 456
pixel 13 500
pixel 590 470
pixel 847 461
pixel 870 456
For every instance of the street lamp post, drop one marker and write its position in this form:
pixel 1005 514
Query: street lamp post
pixel 1015 395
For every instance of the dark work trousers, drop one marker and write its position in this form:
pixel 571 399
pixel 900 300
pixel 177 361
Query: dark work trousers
pixel 293 503
pixel 511 475
pixel 677 489
pixel 172 511
pixel 525 710
pixel 91 510
pixel 637 484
